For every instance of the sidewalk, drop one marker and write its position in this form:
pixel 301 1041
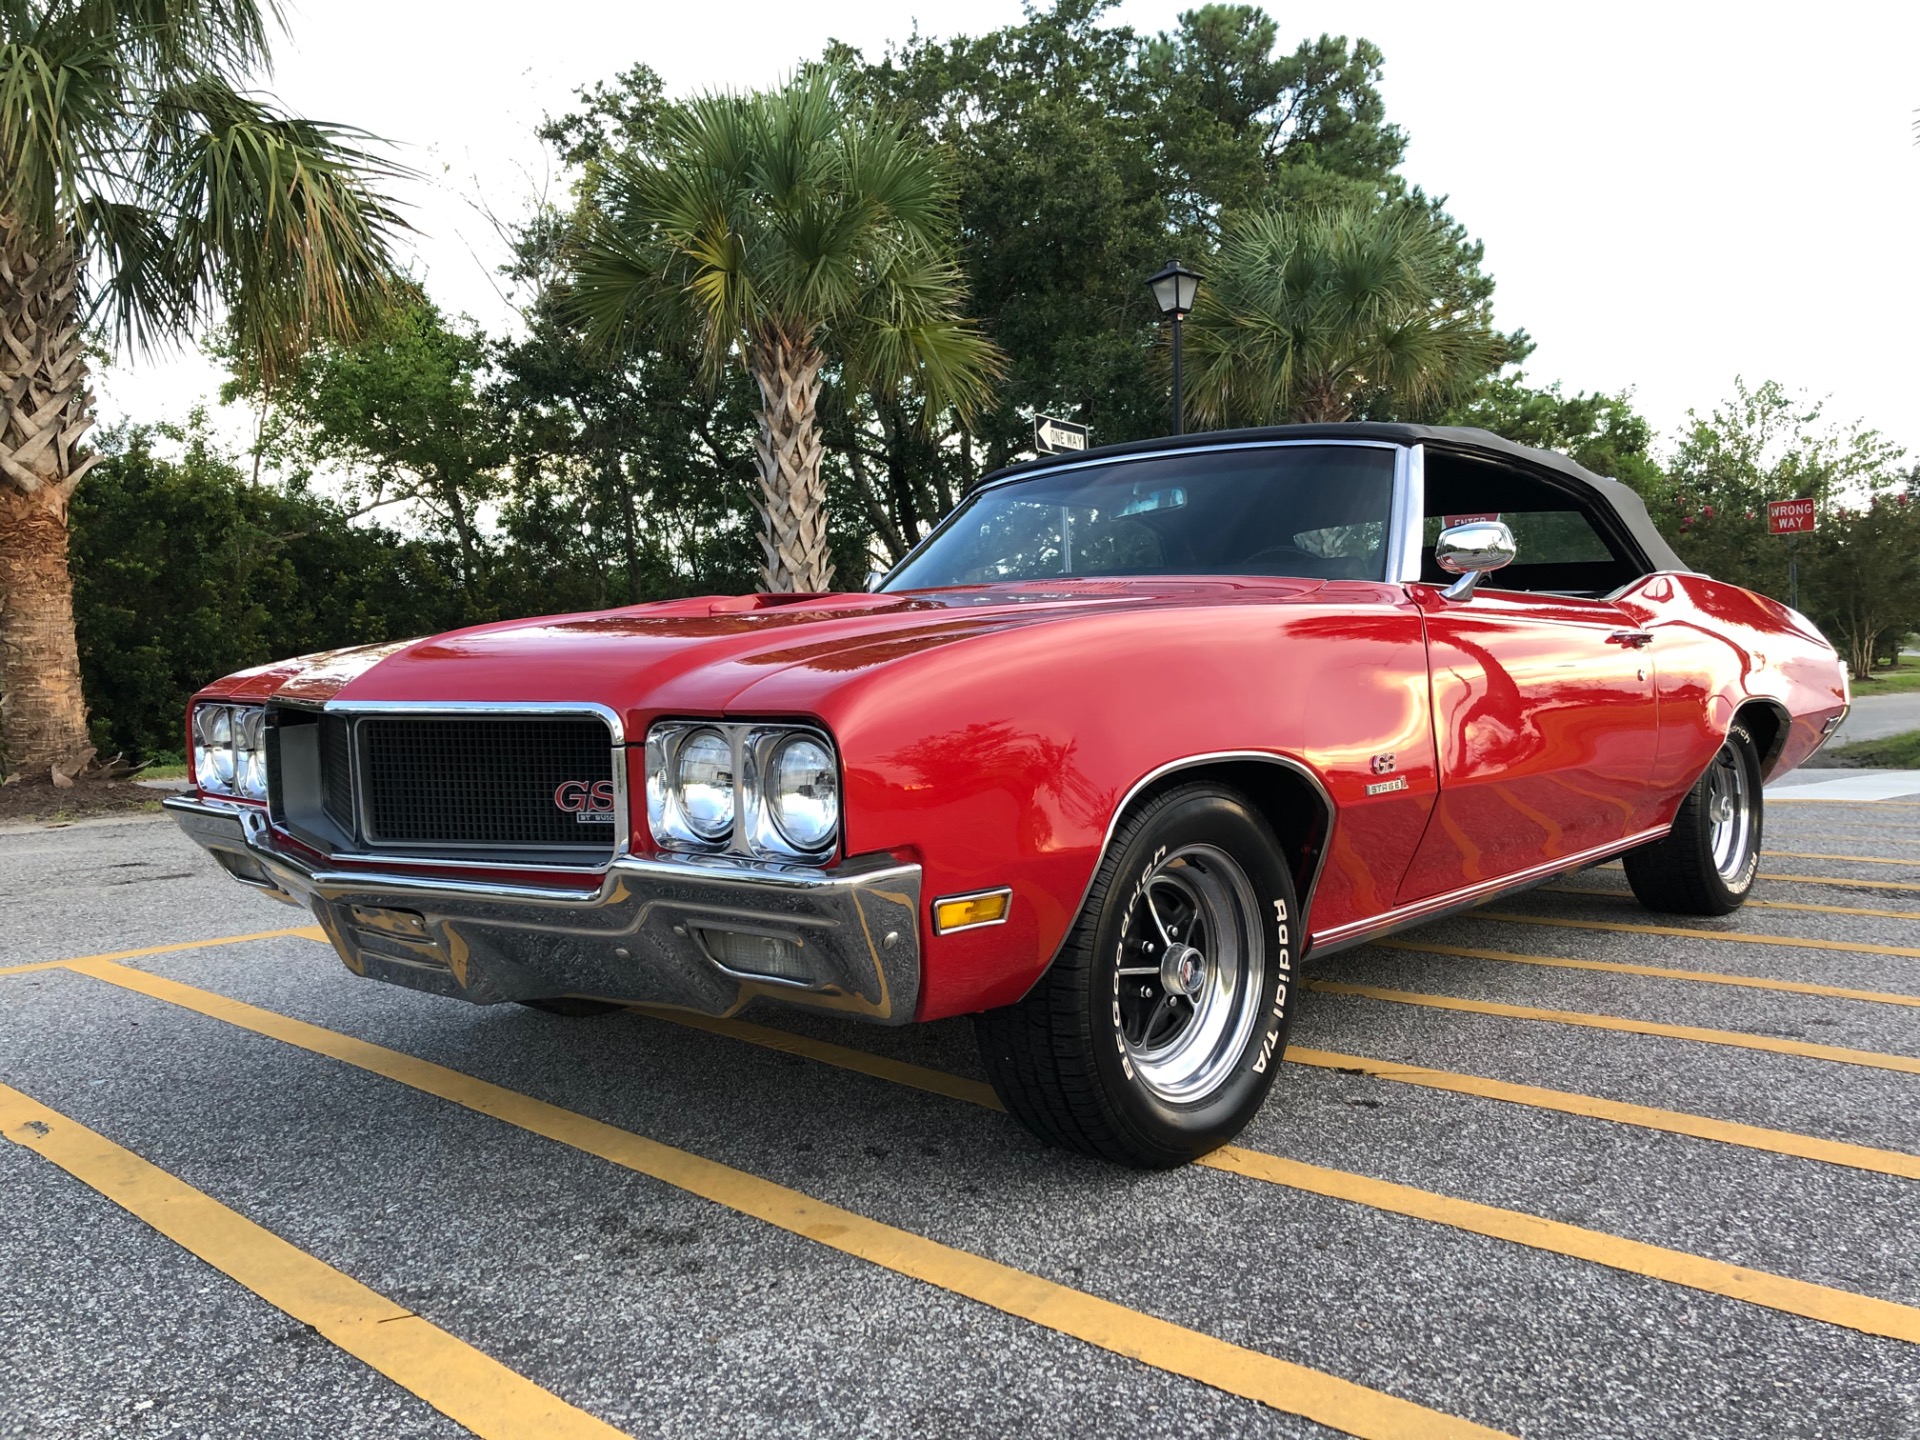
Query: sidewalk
pixel 1846 784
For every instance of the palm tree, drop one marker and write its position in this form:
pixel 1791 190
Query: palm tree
pixel 1309 314
pixel 787 230
pixel 143 191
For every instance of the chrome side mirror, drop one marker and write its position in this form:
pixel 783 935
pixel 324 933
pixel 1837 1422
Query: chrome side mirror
pixel 1470 551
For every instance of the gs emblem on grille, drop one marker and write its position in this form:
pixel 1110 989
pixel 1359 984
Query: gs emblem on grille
pixel 590 804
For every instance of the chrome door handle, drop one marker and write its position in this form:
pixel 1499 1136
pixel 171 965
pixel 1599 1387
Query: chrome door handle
pixel 1631 639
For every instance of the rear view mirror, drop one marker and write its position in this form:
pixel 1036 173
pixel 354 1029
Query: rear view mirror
pixel 1470 551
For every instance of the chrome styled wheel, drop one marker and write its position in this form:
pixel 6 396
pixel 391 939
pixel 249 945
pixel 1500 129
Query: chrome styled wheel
pixel 1188 988
pixel 1160 1027
pixel 1707 863
pixel 1730 813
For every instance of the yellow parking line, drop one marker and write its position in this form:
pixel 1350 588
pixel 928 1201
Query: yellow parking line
pixel 304 932
pixel 1635 1257
pixel 1738 937
pixel 1784 878
pixel 1872 1059
pixel 1237 1370
pixel 1656 972
pixel 1749 904
pixel 1855 859
pixel 457 1380
pixel 1678 1122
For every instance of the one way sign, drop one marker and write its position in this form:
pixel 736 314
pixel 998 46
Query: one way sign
pixel 1056 437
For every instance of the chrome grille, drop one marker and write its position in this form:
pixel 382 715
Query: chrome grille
pixel 481 782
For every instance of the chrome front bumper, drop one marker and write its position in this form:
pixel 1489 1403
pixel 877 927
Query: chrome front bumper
pixel 705 935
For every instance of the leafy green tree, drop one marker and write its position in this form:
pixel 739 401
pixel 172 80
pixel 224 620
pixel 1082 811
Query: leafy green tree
pixel 789 229
pixel 1603 432
pixel 143 185
pixel 397 413
pixel 1762 444
pixel 183 569
pixel 1310 315
pixel 1085 155
pixel 1862 575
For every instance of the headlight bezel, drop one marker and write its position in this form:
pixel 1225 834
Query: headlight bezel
pixel 755 832
pixel 229 749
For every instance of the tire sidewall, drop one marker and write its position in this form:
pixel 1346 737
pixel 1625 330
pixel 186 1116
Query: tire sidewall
pixel 1184 1130
pixel 1747 755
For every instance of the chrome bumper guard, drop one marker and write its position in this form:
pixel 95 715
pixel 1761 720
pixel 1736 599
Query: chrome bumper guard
pixel 699 934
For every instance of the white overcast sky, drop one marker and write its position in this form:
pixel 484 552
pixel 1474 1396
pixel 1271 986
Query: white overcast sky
pixel 1670 194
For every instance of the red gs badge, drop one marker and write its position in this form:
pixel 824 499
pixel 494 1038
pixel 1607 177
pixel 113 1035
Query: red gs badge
pixel 590 804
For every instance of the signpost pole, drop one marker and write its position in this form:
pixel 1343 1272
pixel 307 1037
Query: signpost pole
pixel 1793 570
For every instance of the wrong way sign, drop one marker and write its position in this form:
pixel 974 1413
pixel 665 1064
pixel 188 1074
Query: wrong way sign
pixel 1057 437
pixel 1789 517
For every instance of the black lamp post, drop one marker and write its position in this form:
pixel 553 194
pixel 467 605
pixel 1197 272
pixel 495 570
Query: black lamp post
pixel 1173 291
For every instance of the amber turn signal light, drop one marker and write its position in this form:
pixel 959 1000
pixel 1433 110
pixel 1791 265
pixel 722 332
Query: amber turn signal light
pixel 965 912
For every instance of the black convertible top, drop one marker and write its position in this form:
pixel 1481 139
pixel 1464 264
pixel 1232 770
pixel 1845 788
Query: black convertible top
pixel 1625 505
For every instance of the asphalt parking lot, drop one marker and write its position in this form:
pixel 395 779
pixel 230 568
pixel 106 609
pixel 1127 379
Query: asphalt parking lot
pixel 1558 1167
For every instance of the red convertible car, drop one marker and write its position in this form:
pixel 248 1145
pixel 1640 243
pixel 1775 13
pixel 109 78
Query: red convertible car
pixel 1124 741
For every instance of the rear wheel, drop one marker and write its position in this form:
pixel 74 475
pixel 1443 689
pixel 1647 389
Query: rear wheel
pixel 1156 1033
pixel 1706 864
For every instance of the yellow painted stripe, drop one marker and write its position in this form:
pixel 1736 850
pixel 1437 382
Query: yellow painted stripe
pixel 1656 1262
pixel 304 932
pixel 1736 937
pixel 1841 880
pixel 1715 1277
pixel 1749 904
pixel 1326 1399
pixel 457 1380
pixel 1854 859
pixel 1656 972
pixel 1873 1059
pixel 1678 1122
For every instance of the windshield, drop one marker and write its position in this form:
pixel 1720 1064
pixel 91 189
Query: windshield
pixel 1317 511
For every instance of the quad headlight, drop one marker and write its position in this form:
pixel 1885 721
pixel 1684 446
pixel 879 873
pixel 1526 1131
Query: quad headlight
pixel 767 790
pixel 230 750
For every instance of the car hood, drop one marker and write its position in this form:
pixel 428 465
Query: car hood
pixel 699 655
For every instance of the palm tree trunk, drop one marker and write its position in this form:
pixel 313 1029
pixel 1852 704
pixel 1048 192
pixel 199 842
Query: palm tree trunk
pixel 787 453
pixel 45 407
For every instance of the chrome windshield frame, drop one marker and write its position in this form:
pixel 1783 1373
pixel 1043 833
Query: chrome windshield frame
pixel 1403 519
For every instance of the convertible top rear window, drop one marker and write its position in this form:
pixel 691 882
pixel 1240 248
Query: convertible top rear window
pixel 1316 511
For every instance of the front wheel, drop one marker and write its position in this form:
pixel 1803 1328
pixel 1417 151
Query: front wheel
pixel 1706 864
pixel 1156 1033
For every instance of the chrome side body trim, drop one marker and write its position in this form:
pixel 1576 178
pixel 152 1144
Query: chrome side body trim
pixel 1359 932
pixel 1191 762
pixel 635 937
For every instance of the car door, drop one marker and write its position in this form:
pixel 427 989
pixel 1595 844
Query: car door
pixel 1544 723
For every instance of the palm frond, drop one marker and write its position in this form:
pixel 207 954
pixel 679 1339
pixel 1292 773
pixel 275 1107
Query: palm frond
pixel 281 221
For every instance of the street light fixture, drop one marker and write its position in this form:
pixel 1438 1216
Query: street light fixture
pixel 1173 291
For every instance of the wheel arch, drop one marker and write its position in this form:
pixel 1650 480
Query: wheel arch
pixel 1769 724
pixel 1288 795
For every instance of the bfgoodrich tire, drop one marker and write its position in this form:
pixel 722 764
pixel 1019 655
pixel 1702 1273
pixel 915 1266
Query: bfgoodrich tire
pixel 1706 864
pixel 1156 1033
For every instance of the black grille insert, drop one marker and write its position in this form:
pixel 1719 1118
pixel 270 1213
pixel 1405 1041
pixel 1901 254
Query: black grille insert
pixel 336 768
pixel 484 782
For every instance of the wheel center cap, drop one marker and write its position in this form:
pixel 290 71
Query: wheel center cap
pixel 1181 970
pixel 1722 809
